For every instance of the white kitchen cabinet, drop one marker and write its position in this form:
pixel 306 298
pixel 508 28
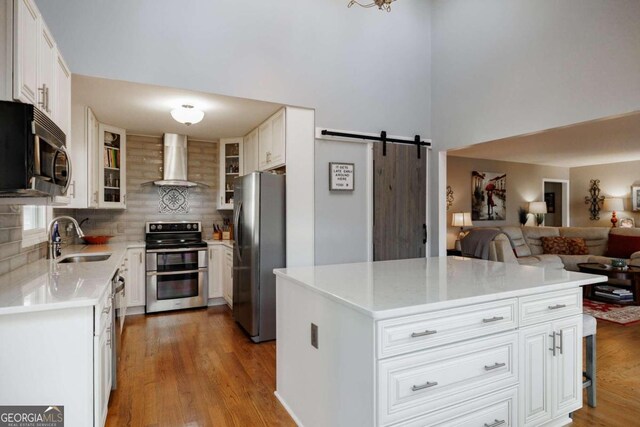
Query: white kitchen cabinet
pixel 83 191
pixel 36 70
pixel 111 163
pixel 62 107
pixel 25 51
pixel 231 167
pixel 136 277
pixel 551 376
pixel 103 357
pixel 272 142
pixel 228 276
pixel 46 70
pixel 251 152
pixel 216 275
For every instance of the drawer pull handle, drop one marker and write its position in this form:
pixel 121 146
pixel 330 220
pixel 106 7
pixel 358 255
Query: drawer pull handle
pixel 495 423
pixel 553 344
pixel 493 319
pixel 494 366
pixel 422 334
pixel 557 306
pixel 423 386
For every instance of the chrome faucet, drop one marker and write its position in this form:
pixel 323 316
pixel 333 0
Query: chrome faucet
pixel 55 246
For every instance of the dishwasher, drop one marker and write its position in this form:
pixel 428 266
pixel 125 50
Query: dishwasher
pixel 118 293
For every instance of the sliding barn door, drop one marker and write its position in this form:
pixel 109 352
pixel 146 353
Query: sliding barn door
pixel 399 202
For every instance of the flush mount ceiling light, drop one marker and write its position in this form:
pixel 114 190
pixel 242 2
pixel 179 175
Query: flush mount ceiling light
pixel 187 115
pixel 382 4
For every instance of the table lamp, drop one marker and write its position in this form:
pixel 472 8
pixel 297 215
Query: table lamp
pixel 612 205
pixel 461 219
pixel 539 209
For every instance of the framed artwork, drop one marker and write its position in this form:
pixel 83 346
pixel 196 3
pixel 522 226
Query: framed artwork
pixel 341 176
pixel 550 200
pixel 627 223
pixel 635 198
pixel 488 196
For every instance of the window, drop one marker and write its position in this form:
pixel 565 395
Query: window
pixel 34 224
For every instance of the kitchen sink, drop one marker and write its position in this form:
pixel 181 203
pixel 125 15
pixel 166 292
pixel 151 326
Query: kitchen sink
pixel 84 258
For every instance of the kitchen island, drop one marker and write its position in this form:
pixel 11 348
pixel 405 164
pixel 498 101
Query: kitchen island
pixel 436 341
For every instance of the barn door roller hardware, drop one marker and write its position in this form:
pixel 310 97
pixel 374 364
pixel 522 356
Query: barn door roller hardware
pixel 382 138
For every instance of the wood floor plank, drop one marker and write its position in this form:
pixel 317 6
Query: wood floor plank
pixel 197 368
pixel 194 368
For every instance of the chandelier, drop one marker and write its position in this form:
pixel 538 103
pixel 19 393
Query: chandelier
pixel 382 4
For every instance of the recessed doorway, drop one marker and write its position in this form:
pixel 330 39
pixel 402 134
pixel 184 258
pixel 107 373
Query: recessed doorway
pixel 556 195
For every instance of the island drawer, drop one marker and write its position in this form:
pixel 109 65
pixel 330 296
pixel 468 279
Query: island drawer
pixel 550 306
pixel 407 334
pixel 423 382
pixel 498 409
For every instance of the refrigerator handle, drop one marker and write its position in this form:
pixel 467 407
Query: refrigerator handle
pixel 237 229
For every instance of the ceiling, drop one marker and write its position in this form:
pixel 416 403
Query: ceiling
pixel 145 109
pixel 610 140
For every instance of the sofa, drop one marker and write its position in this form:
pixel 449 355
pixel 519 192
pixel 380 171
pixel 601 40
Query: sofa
pixel 524 245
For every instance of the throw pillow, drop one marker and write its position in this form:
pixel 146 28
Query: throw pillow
pixel 554 245
pixel 620 246
pixel 577 246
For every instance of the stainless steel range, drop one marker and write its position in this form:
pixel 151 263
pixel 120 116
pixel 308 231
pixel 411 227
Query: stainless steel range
pixel 176 266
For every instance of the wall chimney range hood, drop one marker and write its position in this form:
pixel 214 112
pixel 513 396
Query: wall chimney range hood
pixel 175 163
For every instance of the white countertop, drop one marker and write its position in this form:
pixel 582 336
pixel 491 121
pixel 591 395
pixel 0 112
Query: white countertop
pixel 227 243
pixel 400 288
pixel 46 285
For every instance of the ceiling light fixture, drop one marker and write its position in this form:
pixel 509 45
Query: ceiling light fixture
pixel 187 115
pixel 382 4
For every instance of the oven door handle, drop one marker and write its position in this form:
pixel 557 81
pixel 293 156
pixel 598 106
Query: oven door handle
pixel 173 273
pixel 155 251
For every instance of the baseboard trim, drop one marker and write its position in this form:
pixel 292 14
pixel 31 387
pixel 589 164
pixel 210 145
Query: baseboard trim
pixel 288 409
pixel 216 301
pixel 135 310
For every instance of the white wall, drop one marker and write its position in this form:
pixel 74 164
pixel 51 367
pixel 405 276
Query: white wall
pixel 509 67
pixel 341 216
pixel 360 68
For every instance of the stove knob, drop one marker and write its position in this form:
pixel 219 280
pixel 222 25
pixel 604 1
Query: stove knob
pixel 188 226
pixel 153 227
pixel 159 226
pixel 195 226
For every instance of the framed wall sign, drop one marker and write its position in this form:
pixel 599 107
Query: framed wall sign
pixel 341 176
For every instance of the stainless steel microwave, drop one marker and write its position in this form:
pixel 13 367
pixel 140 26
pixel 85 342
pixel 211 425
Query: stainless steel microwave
pixel 33 156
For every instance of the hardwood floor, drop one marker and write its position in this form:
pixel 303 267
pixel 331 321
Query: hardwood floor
pixel 618 374
pixel 196 368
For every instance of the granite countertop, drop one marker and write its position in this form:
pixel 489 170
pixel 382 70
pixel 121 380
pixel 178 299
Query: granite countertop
pixel 227 243
pixel 400 288
pixel 47 285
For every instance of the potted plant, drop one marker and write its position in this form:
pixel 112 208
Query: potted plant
pixel 523 216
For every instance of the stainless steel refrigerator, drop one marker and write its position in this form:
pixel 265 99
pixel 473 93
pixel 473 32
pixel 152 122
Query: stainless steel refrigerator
pixel 259 233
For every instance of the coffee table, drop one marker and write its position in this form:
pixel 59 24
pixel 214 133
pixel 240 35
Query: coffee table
pixel 630 274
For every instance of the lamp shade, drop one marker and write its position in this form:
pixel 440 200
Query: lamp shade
pixel 613 204
pixel 461 219
pixel 538 208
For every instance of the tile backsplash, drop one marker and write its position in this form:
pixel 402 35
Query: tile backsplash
pixel 12 254
pixel 144 164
